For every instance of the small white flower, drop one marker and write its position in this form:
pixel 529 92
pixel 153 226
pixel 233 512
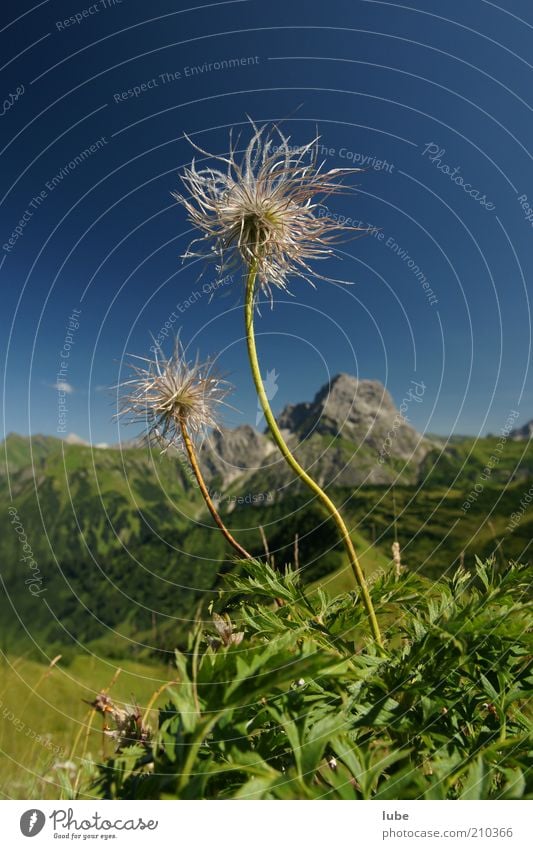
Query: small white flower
pixel 264 210
pixel 166 394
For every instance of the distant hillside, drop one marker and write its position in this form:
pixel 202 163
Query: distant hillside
pixel 22 452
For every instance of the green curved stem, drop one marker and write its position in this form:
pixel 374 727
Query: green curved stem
pixel 293 463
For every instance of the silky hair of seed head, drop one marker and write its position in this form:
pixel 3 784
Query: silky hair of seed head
pixel 262 211
pixel 165 394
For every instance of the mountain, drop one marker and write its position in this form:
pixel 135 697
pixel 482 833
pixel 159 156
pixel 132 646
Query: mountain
pixel 22 451
pixel 524 432
pixel 359 410
pixel 229 454
pixel 350 434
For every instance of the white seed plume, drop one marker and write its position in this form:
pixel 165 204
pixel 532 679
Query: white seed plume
pixel 265 209
pixel 164 393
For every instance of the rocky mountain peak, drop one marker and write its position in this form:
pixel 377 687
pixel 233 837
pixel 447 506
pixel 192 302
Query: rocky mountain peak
pixel 344 406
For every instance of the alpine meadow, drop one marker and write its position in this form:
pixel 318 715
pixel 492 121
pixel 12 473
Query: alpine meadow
pixel 328 605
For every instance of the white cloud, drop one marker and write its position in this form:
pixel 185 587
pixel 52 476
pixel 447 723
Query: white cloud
pixel 63 386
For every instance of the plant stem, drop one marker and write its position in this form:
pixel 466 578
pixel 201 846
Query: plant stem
pixel 189 447
pixel 293 463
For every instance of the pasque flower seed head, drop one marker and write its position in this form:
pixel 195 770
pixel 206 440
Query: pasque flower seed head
pixel 263 210
pixel 165 394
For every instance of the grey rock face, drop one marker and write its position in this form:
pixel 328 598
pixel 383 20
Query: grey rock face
pixel 358 410
pixel 345 405
pixel 351 433
pixel 230 453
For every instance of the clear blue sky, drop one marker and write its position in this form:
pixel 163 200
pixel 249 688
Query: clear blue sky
pixel 436 99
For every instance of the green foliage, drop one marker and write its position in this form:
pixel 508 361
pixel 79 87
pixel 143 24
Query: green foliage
pixel 304 707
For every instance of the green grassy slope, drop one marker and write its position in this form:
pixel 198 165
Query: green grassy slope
pixel 108 533
pixel 127 551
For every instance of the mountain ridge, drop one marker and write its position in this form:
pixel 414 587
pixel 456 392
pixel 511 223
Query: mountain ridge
pixel 348 419
pixel 347 407
pixel 121 532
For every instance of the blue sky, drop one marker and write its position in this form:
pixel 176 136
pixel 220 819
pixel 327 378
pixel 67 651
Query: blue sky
pixel 436 104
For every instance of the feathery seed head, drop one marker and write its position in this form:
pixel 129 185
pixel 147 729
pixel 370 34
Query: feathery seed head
pixel 264 209
pixel 129 726
pixel 165 394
